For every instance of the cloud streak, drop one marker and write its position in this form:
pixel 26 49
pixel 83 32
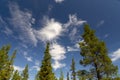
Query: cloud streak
pixel 28 58
pixel 18 68
pixel 22 23
pixel 59 1
pixel 116 55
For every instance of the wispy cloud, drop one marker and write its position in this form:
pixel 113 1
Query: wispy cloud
pixel 8 31
pixel 106 35
pixel 116 55
pixel 72 26
pixel 100 23
pixel 18 68
pixel 74 21
pixel 4 28
pixel 73 48
pixel 28 58
pixel 59 1
pixel 36 66
pixel 22 22
pixel 58 53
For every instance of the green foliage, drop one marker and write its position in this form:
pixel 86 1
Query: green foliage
pixel 68 76
pixel 94 53
pixel 16 76
pixel 6 63
pixel 83 75
pixel 73 75
pixel 25 74
pixel 61 75
pixel 45 72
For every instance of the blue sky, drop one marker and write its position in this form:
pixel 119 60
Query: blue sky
pixel 28 24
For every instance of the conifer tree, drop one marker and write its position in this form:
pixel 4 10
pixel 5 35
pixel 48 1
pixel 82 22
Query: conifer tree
pixel 16 76
pixel 46 72
pixel 73 75
pixel 25 74
pixel 68 76
pixel 6 63
pixel 37 76
pixel 61 75
pixel 94 53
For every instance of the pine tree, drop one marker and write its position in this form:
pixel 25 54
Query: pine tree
pixel 73 75
pixel 61 75
pixel 37 76
pixel 25 74
pixel 46 72
pixel 68 76
pixel 6 63
pixel 16 76
pixel 94 53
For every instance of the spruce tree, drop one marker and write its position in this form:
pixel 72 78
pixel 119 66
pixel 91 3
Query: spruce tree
pixel 6 63
pixel 16 76
pixel 73 75
pixel 94 53
pixel 37 76
pixel 25 74
pixel 68 76
pixel 61 75
pixel 46 72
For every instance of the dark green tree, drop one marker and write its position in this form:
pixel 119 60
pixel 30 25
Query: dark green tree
pixel 61 75
pixel 16 76
pixel 73 75
pixel 37 76
pixel 6 63
pixel 94 53
pixel 68 76
pixel 25 74
pixel 46 72
pixel 84 75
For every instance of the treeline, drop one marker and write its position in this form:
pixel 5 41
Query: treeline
pixel 94 54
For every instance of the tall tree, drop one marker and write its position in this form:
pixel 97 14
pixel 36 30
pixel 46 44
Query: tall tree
pixel 16 76
pixel 6 63
pixel 46 72
pixel 25 74
pixel 61 75
pixel 68 76
pixel 94 53
pixel 73 75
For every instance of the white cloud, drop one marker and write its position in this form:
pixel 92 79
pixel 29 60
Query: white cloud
pixel 58 53
pixel 18 68
pixel 22 23
pixel 57 65
pixel 116 55
pixel 74 21
pixel 28 58
pixel 73 48
pixel 59 1
pixel 51 30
